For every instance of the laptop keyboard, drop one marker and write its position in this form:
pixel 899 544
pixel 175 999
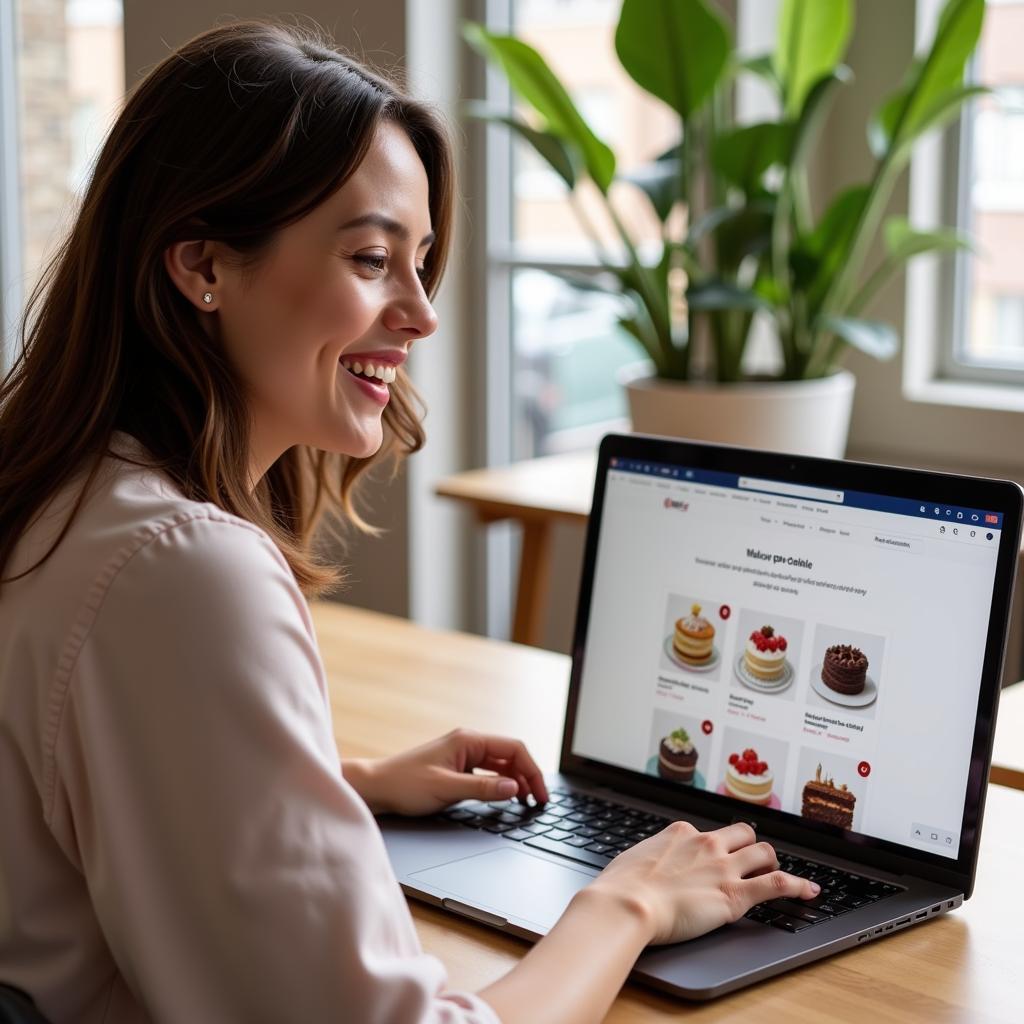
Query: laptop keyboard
pixel 593 831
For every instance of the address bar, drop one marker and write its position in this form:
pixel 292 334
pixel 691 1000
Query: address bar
pixel 748 483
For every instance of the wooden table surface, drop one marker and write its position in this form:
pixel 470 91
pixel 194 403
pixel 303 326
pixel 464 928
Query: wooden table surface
pixel 394 684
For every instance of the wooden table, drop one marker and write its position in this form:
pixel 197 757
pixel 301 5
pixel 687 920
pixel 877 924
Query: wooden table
pixel 537 493
pixel 1008 751
pixel 394 684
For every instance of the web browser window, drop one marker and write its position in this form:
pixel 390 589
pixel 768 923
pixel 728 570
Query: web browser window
pixel 814 651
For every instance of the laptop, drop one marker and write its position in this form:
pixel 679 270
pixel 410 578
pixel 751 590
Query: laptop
pixel 812 646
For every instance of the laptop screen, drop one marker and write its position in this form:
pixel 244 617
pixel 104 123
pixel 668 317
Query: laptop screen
pixel 815 651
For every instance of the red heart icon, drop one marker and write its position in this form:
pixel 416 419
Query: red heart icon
pixel 864 769
pixel 706 727
pixel 724 612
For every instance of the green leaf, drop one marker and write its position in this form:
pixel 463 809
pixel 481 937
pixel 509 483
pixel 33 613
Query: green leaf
pixel 534 81
pixel 763 65
pixel 675 49
pixel 744 154
pixel 718 294
pixel 812 39
pixel 813 114
pixel 872 337
pixel 903 242
pixel 660 181
pixel 739 230
pixel 828 246
pixel 559 157
pixel 930 80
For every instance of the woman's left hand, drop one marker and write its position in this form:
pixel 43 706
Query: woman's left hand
pixel 439 773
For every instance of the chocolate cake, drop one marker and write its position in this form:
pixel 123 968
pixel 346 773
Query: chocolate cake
pixel 844 669
pixel 826 802
pixel 677 757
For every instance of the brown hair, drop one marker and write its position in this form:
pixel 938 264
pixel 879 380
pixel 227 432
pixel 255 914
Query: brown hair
pixel 240 132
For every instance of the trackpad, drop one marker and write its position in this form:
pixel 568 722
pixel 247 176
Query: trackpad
pixel 510 883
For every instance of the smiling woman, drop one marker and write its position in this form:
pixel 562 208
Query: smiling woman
pixel 215 353
pixel 205 295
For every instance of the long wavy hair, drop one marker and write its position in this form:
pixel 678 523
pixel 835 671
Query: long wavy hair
pixel 235 135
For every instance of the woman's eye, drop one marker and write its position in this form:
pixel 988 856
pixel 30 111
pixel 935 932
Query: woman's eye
pixel 377 264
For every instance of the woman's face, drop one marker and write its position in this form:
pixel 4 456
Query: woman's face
pixel 337 297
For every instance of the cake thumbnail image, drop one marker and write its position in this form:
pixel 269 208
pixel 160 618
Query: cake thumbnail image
pixel 763 665
pixel 749 778
pixel 693 640
pixel 844 669
pixel 826 802
pixel 677 757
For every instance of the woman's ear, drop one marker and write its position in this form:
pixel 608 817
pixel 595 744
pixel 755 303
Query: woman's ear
pixel 191 268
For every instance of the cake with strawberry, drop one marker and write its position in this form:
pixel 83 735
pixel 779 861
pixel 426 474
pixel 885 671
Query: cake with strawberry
pixel 677 757
pixel 693 639
pixel 749 778
pixel 764 657
pixel 824 801
pixel 844 669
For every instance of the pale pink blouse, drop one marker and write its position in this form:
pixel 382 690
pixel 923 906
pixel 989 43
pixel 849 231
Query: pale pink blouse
pixel 177 842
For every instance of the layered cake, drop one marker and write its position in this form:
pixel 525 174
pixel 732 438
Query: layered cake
pixel 764 657
pixel 826 802
pixel 693 638
pixel 677 757
pixel 844 669
pixel 749 778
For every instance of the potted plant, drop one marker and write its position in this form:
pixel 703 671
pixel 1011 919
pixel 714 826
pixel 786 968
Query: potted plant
pixel 749 240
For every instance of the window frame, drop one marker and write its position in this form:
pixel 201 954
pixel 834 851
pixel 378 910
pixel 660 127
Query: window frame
pixel 938 290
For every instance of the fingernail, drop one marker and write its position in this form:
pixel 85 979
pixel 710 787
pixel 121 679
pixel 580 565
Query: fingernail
pixel 507 788
pixel 815 888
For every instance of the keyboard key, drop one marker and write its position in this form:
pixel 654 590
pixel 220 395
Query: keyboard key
pixel 797 910
pixel 599 848
pixel 578 841
pixel 547 819
pixel 517 834
pixel 558 835
pixel 789 924
pixel 458 814
pixel 586 830
pixel 498 827
pixel 567 851
pixel 535 827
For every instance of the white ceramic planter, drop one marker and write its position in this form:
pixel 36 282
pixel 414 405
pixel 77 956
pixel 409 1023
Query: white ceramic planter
pixel 804 417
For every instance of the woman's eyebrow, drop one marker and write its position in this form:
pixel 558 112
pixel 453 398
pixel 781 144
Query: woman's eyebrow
pixel 388 224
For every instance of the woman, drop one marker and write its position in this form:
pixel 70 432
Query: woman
pixel 213 359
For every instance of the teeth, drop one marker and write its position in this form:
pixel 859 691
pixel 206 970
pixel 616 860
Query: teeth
pixel 385 374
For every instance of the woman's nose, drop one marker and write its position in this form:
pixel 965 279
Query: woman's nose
pixel 412 312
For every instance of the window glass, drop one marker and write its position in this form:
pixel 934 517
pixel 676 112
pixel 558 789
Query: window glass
pixel 70 87
pixel 565 342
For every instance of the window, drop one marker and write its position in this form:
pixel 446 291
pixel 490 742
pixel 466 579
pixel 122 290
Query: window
pixel 564 346
pixel 62 85
pixel 987 338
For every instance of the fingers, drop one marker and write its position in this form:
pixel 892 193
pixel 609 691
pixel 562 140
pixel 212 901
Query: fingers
pixel 775 884
pixel 510 757
pixel 736 836
pixel 755 859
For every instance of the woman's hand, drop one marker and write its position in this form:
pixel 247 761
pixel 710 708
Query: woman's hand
pixel 439 773
pixel 684 883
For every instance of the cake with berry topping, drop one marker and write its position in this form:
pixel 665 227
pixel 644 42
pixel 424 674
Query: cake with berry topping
pixel 826 802
pixel 677 757
pixel 764 657
pixel 749 778
pixel 693 638
pixel 844 669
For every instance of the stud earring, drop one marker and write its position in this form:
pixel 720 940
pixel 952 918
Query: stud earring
pixel 207 297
